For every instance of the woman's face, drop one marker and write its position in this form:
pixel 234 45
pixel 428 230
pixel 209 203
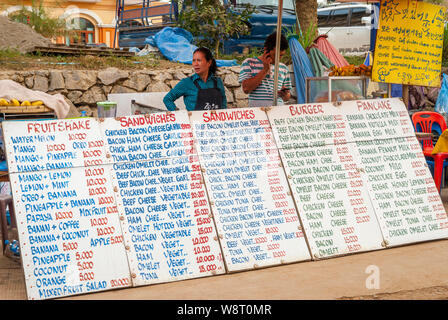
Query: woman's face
pixel 200 64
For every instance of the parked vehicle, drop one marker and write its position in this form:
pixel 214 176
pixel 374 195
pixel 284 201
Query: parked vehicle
pixel 347 26
pixel 134 23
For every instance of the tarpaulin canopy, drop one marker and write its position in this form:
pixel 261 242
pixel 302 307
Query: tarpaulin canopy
pixel 302 67
pixel 330 51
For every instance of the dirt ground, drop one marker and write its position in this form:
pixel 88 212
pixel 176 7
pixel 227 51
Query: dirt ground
pixel 19 36
pixel 413 272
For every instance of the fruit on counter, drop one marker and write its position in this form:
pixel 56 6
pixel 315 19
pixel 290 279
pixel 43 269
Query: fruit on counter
pixel 351 70
pixel 17 103
pixel 14 102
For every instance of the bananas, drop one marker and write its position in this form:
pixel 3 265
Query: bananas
pixel 17 103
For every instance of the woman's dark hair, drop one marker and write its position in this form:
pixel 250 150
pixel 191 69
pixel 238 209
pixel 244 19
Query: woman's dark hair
pixel 208 56
pixel 271 41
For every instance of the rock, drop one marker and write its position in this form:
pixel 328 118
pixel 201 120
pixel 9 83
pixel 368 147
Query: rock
pixel 107 89
pixel 240 95
pixel 229 95
pixel 112 75
pixel 29 82
pixel 137 81
pixel 242 103
pixel 231 80
pixel 42 73
pixel 173 83
pixel 162 76
pixel 178 75
pixel 121 89
pixel 17 78
pixel 72 112
pixel 79 79
pixel 74 96
pixel 92 96
pixel 158 87
pixel 235 69
pixel 56 81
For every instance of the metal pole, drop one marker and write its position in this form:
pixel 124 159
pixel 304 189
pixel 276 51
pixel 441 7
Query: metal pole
pixel 277 50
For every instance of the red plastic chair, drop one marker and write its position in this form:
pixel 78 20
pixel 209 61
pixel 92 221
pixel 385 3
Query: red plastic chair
pixel 423 122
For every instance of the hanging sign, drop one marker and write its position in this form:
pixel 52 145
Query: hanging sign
pixel 253 208
pixel 162 202
pixel 409 43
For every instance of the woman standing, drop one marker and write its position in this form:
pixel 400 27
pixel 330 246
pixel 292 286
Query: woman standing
pixel 201 91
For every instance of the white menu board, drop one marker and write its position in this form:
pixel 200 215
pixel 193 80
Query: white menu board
pixel 67 217
pixel 328 186
pixel 52 144
pixel 343 122
pixel 374 142
pixel 163 206
pixel 403 192
pixel 254 211
pixel 70 238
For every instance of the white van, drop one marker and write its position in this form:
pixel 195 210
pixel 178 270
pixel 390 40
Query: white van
pixel 347 26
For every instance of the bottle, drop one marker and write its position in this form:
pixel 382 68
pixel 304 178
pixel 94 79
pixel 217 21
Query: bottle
pixel 83 113
pixel 13 247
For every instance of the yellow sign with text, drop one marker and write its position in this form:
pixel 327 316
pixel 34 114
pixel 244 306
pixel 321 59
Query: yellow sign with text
pixel 409 43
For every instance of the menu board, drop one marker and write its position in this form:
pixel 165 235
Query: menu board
pixel 402 190
pixel 70 238
pixel 374 166
pixel 53 144
pixel 253 208
pixel 328 186
pixel 409 43
pixel 162 202
pixel 313 125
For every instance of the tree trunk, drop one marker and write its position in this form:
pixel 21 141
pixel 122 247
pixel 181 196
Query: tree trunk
pixel 307 14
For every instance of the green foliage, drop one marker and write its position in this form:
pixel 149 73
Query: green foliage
pixel 305 38
pixel 210 22
pixel 39 20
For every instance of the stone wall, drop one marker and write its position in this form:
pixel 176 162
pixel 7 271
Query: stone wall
pixel 83 88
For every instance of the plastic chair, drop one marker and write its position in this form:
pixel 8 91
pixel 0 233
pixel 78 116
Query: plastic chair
pixel 432 122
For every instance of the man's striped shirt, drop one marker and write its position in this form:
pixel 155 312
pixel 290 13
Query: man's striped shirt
pixel 264 93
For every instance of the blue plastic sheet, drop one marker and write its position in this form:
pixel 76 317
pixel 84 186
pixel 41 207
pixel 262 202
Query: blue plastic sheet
pixel 302 68
pixel 176 45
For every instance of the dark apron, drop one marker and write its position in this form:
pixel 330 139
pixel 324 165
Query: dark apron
pixel 208 99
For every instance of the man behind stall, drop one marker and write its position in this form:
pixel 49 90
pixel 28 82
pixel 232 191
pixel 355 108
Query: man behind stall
pixel 257 75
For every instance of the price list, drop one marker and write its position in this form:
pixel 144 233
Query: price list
pixel 70 238
pixel 162 202
pixel 377 119
pixel 67 218
pixel 254 213
pixel 328 186
pixel 53 144
pixel 147 137
pixel 403 192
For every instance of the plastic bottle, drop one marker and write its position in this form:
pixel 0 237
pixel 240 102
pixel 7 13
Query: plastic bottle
pixel 13 247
